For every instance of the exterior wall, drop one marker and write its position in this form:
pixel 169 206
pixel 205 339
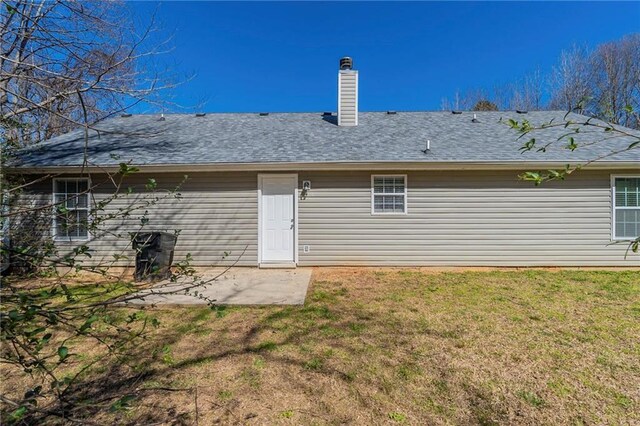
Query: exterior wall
pixel 461 218
pixel 454 218
pixel 29 231
pixel 216 213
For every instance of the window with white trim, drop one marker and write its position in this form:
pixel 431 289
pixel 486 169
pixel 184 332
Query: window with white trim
pixel 389 194
pixel 71 205
pixel 626 207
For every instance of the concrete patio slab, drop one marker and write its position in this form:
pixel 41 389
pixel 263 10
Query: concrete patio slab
pixel 238 286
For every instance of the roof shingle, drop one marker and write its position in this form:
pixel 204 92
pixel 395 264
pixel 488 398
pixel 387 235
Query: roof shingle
pixel 312 138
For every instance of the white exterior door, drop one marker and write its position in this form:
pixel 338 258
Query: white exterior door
pixel 277 218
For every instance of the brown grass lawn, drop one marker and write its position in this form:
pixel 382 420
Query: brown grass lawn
pixel 397 347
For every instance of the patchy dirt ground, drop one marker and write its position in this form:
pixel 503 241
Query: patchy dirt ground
pixel 393 346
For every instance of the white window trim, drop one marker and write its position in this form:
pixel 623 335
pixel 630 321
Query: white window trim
pixel 53 200
pixel 614 207
pixel 406 197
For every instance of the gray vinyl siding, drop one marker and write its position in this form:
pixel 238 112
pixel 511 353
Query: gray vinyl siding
pixel 30 231
pixel 470 218
pixel 216 216
pixel 461 218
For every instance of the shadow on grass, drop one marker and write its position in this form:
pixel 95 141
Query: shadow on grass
pixel 336 319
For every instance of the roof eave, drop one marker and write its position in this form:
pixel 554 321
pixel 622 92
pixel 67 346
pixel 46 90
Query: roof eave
pixel 328 166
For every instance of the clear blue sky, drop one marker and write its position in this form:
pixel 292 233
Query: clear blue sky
pixel 284 56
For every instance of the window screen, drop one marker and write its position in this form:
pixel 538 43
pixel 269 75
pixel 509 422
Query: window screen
pixel 626 207
pixel 389 194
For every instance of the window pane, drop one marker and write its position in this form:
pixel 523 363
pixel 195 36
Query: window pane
pixel 82 201
pixel 62 226
pixel 388 185
pixel 381 184
pixel 60 231
pixel 398 185
pixel 627 223
pixel 82 185
pixel 82 225
pixel 627 192
pixel 77 201
pixel 60 186
pixel 73 225
pixel 388 204
pixel 377 185
pixel 398 204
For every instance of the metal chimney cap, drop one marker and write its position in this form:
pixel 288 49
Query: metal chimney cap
pixel 346 63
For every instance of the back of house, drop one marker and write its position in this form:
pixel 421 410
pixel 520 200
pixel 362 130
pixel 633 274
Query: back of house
pixel 347 188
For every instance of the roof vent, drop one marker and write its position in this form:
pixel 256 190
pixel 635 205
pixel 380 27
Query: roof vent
pixel 346 63
pixel 200 114
pixel 456 112
pixel 263 114
pixel 161 117
pixel 427 147
pixel 327 114
pixel 125 115
pixel 520 111
pixel 391 113
pixel 475 119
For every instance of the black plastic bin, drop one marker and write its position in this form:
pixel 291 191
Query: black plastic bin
pixel 154 255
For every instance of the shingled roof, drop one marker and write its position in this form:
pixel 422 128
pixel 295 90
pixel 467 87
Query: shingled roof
pixel 243 138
